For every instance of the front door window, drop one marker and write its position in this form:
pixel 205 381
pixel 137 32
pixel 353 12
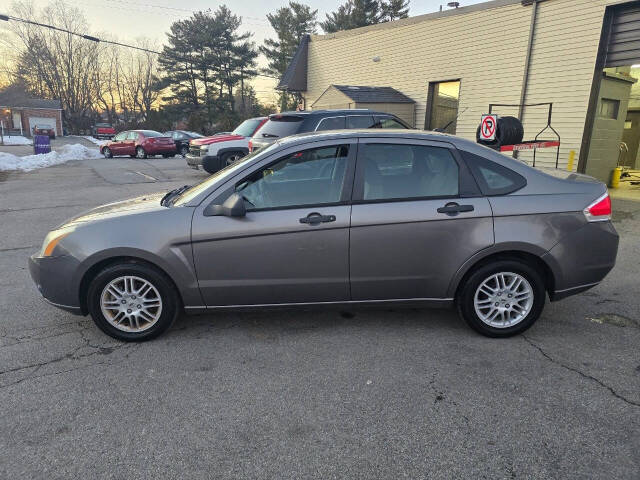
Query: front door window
pixel 310 177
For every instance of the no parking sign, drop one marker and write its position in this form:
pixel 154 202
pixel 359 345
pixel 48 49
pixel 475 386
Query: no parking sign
pixel 488 127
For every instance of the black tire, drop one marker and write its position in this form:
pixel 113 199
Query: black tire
pixel 140 153
pixel 164 286
pixel 467 291
pixel 509 131
pixel 228 158
pixel 184 150
pixel 106 151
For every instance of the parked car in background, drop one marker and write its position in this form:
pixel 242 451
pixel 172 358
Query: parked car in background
pixel 216 152
pixel 182 138
pixel 353 217
pixel 282 125
pixel 103 131
pixel 44 130
pixel 139 144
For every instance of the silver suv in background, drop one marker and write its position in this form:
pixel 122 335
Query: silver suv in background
pixel 339 218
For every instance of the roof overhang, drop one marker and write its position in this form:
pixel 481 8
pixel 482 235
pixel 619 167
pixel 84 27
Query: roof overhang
pixel 294 78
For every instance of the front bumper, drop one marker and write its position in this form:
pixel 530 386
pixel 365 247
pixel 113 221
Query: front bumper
pixel 53 278
pixel 194 161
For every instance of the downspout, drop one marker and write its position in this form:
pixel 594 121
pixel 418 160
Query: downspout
pixel 527 63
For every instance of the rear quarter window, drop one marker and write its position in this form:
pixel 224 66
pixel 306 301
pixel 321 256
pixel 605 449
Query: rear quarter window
pixel 493 179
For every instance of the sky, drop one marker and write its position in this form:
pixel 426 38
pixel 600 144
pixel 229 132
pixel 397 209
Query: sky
pixel 131 19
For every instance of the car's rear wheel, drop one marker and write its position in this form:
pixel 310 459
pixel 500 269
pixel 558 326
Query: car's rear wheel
pixel 132 301
pixel 184 150
pixel 140 153
pixel 502 298
pixel 106 151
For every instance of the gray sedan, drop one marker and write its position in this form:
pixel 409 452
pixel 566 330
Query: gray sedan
pixel 339 218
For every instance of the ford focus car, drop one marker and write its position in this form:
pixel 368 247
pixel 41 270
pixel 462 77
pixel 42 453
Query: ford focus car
pixel 339 218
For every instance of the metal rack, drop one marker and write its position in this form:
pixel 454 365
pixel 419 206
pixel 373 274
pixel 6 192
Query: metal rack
pixel 536 143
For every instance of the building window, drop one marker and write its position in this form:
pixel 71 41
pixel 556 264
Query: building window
pixel 442 106
pixel 609 108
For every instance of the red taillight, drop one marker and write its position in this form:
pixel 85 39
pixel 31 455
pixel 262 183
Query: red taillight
pixel 250 146
pixel 599 210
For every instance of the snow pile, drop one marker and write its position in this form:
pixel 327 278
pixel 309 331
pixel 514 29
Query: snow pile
pixel 95 140
pixel 16 140
pixel 32 162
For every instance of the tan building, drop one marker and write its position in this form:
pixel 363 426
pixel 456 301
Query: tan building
pixel 578 55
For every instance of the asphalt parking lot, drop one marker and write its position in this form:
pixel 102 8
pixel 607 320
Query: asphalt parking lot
pixel 380 393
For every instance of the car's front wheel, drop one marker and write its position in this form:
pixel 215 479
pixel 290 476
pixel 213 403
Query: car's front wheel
pixel 184 150
pixel 140 153
pixel 502 298
pixel 106 151
pixel 230 157
pixel 132 301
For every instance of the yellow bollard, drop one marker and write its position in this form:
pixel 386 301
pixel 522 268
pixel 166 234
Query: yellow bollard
pixel 615 177
pixel 572 156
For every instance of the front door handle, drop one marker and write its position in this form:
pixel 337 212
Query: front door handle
pixel 316 218
pixel 452 209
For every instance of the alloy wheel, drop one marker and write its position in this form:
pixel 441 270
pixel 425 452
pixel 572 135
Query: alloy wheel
pixel 503 299
pixel 131 304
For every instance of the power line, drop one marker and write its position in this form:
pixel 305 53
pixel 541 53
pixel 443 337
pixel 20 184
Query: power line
pixel 91 38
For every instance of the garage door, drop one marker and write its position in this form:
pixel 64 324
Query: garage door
pixel 624 41
pixel 42 122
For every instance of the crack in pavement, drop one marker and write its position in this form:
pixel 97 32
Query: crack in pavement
pixel 13 249
pixel 582 374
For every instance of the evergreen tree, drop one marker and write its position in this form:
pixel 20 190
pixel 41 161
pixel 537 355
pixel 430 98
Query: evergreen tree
pixel 360 13
pixel 205 59
pixel 394 10
pixel 290 23
pixel 353 14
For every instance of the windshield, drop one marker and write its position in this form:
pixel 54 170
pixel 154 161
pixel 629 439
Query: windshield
pixel 247 127
pixel 194 134
pixel 280 126
pixel 230 169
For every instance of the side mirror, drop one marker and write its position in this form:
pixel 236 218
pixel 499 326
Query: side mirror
pixel 232 207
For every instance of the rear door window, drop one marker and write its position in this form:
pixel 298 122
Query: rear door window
pixel 280 126
pixel 388 122
pixel 132 136
pixel 331 123
pixel 360 121
pixel 402 171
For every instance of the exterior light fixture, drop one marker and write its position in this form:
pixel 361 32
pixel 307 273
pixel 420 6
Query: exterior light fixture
pixel 453 4
pixel 376 59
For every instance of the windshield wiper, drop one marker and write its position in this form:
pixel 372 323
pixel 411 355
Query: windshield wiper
pixel 173 193
pixel 270 135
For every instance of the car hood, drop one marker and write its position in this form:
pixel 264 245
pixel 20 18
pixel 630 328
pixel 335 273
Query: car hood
pixel 142 204
pixel 216 139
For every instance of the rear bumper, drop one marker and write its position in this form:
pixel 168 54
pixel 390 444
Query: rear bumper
pixel 583 259
pixel 53 278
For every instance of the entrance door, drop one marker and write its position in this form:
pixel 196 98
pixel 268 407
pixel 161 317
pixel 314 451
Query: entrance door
pixel 412 224
pixel 611 113
pixel 293 244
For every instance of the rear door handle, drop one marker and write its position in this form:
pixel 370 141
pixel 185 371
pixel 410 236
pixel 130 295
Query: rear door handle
pixel 316 218
pixel 452 209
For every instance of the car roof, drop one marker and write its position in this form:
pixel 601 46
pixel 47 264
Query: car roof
pixel 340 111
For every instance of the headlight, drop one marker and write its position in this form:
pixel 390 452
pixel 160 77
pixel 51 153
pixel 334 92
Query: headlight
pixel 51 241
pixel 204 150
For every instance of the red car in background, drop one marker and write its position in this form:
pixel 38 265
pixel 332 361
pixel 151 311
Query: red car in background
pixel 44 130
pixel 139 144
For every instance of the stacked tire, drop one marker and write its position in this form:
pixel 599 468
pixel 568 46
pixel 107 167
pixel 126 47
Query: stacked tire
pixel 509 131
